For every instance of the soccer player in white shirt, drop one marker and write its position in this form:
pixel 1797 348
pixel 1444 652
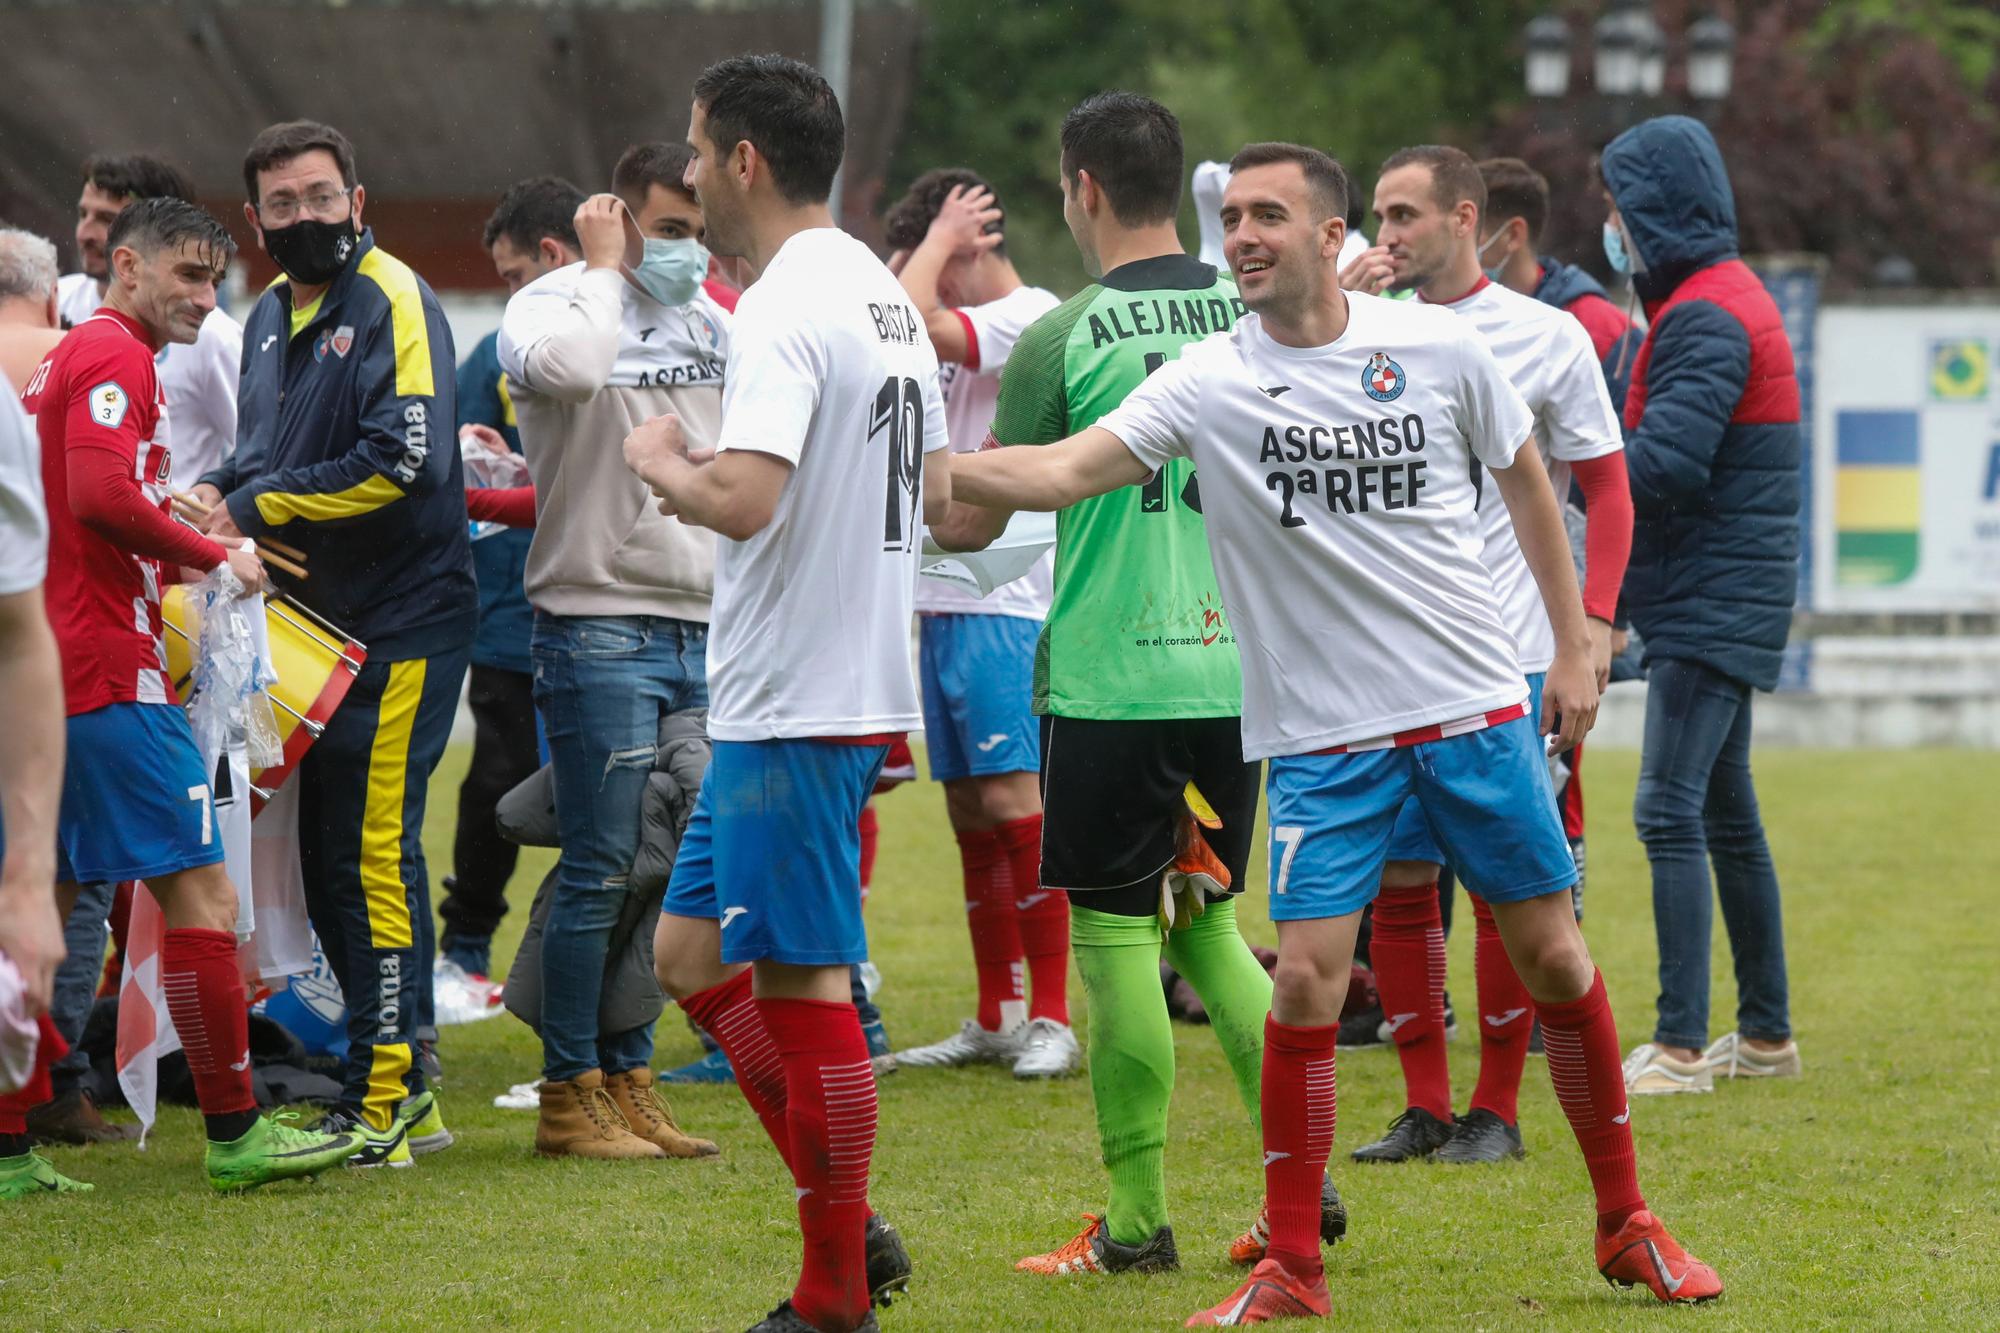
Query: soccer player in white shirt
pixel 1336 435
pixel 977 654
pixel 199 378
pixel 1428 204
pixel 817 487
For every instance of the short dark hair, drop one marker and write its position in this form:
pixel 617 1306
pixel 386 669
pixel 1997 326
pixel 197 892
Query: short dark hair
pixel 531 209
pixel 1454 175
pixel 151 225
pixel 136 176
pixel 1326 179
pixel 1131 146
pixel 294 138
pixel 644 165
pixel 1516 190
pixel 787 110
pixel 909 220
pixel 1357 210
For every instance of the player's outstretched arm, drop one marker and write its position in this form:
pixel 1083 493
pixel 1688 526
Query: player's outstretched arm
pixel 937 486
pixel 1048 478
pixel 735 496
pixel 31 768
pixel 1570 694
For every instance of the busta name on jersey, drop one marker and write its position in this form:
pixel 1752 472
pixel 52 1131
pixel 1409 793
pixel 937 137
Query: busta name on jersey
pixel 1385 475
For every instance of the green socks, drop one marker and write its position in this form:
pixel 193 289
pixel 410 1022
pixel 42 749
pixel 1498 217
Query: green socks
pixel 1132 1040
pixel 1131 1062
pixel 1234 988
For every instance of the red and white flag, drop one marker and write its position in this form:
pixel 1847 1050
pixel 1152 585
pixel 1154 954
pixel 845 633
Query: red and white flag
pixel 145 1030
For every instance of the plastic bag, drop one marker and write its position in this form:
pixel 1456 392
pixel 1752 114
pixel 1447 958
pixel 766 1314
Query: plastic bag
pixel 486 467
pixel 233 673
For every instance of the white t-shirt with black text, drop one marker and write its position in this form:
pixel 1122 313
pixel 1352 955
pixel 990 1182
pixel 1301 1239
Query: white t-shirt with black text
pixel 1336 483
pixel 1549 358
pixel 831 370
pixel 970 391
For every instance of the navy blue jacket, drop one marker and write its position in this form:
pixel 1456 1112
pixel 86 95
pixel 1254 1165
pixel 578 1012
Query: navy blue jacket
pixel 1711 418
pixel 500 559
pixel 346 447
pixel 1615 337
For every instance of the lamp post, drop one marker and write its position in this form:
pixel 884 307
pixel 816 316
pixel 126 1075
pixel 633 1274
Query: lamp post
pixel 1629 59
pixel 1548 56
pixel 1711 58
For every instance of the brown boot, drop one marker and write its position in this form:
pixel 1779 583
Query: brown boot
pixel 579 1120
pixel 647 1112
pixel 72 1118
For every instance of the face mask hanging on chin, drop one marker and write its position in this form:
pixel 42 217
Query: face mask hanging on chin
pixel 311 251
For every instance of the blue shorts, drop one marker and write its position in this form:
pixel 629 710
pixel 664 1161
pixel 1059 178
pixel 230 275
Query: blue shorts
pixel 135 799
pixel 978 674
pixel 773 851
pixel 1486 794
pixel 1412 839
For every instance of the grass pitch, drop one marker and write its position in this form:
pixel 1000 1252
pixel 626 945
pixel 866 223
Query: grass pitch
pixel 1865 1195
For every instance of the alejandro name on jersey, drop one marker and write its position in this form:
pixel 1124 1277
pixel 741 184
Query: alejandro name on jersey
pixel 1193 316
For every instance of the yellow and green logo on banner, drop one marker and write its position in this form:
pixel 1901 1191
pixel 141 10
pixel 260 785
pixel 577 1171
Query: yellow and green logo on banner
pixel 1878 497
pixel 1961 370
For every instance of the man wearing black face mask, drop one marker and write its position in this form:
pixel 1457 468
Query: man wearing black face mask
pixel 345 448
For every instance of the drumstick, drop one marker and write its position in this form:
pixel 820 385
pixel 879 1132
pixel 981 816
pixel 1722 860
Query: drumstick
pixel 195 509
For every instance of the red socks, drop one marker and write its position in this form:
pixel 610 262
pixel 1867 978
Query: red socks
pixel 1506 1018
pixel 1407 950
pixel 204 989
pixel 1584 1065
pixel 871 834
pixel 996 934
pixel 1043 917
pixel 729 1014
pixel 1298 1105
pixel 830 1114
pixel 15 1105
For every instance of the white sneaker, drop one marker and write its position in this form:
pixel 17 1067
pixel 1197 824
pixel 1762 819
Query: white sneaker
pixel 1729 1057
pixel 1048 1050
pixel 1650 1071
pixel 973 1045
pixel 521 1097
pixel 461 997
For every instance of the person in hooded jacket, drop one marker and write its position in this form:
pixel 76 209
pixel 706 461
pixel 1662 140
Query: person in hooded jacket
pixel 1712 449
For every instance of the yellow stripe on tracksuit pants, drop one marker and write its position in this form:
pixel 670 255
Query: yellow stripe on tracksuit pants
pixel 361 816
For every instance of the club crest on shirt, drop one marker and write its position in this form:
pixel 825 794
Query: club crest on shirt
pixel 342 341
pixel 108 404
pixel 1383 379
pixel 702 329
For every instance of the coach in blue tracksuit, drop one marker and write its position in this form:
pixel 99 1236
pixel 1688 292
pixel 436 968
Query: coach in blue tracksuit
pixel 1712 448
pixel 346 448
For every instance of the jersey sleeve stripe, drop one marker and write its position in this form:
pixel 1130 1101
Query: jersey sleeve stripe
pixel 280 507
pixel 406 321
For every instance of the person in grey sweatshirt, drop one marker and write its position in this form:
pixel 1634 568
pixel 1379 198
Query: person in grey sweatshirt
pixel 621 597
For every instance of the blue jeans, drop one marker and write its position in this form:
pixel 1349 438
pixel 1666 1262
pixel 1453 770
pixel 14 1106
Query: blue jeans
pixel 1695 804
pixel 84 936
pixel 602 685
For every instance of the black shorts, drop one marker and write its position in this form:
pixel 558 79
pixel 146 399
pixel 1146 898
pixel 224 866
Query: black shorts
pixel 1111 803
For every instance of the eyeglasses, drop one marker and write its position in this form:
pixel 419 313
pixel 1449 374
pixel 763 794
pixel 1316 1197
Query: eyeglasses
pixel 280 209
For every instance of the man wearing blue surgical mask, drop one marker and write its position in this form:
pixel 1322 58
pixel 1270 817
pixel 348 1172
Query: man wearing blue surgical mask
pixel 621 598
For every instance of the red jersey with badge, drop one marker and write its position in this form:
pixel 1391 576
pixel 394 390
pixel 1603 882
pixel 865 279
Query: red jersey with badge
pixel 98 407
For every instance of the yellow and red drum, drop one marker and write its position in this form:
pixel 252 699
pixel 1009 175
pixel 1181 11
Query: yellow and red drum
pixel 316 664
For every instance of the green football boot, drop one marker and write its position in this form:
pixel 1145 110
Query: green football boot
pixel 274 1150
pixel 31 1173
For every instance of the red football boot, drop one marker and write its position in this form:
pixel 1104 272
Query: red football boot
pixel 1643 1254
pixel 1271 1292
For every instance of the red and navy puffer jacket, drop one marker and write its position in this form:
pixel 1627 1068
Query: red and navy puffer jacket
pixel 1711 420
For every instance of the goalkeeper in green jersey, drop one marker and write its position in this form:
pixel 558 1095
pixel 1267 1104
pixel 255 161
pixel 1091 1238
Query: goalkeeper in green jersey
pixel 1149 808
